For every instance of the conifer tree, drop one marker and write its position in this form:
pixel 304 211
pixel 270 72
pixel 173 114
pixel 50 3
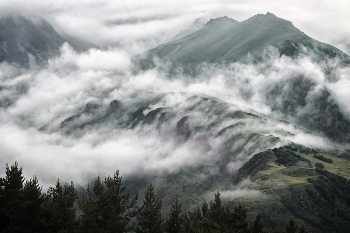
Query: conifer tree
pixel 215 219
pixel 257 226
pixel 105 208
pixel 118 208
pixel 192 221
pixel 186 224
pixel 302 229
pixel 60 201
pixel 292 226
pixel 216 211
pixel 33 216
pixel 149 219
pixel 91 206
pixel 239 218
pixel 205 208
pixel 12 199
pixel 173 221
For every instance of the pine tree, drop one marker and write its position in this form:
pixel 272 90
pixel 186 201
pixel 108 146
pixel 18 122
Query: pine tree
pixel 215 220
pixel 33 217
pixel 70 196
pixel 12 199
pixel 118 208
pixel 239 218
pixel 60 208
pixel 302 229
pixel 205 208
pixel 193 221
pixel 105 208
pixel 291 227
pixel 91 206
pixel 149 219
pixel 257 226
pixel 173 222
pixel 186 226
pixel 216 211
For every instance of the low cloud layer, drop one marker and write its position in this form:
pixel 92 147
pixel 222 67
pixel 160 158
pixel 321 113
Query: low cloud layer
pixel 36 101
pixel 45 97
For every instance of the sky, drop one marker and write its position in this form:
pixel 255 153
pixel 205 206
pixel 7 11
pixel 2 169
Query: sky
pixel 147 23
pixel 49 95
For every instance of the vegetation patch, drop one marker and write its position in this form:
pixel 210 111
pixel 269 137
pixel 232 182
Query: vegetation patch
pixel 324 159
pixel 288 158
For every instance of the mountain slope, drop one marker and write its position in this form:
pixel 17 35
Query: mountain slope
pixel 319 197
pixel 224 39
pixel 20 37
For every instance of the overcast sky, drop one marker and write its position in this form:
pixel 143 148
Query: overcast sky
pixel 154 21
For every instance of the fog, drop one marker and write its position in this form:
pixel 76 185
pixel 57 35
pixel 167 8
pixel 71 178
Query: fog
pixel 229 112
pixel 38 100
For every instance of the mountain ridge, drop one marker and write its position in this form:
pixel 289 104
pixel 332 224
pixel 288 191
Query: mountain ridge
pixel 232 40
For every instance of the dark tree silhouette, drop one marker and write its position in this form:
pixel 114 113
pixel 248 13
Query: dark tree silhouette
pixel 149 219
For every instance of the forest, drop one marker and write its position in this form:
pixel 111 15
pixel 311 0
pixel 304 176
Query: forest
pixel 106 206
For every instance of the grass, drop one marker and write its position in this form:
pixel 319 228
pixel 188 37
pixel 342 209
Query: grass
pixel 278 187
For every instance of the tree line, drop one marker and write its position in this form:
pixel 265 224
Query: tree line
pixel 106 207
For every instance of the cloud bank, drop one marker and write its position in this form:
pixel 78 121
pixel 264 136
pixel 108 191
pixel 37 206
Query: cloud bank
pixel 35 102
pixel 40 99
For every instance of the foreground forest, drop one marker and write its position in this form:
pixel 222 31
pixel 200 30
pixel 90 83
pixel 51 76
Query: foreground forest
pixel 107 207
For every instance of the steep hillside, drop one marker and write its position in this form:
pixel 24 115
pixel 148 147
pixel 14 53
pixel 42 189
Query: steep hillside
pixel 301 182
pixel 20 38
pixel 279 183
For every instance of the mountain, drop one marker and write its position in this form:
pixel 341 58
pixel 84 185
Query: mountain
pixel 195 26
pixel 224 40
pixel 213 141
pixel 227 40
pixel 243 153
pixel 20 38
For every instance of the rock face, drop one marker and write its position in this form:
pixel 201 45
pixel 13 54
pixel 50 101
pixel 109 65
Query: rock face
pixel 183 128
pixel 151 116
pixel 115 107
pixel 225 39
pixel 20 38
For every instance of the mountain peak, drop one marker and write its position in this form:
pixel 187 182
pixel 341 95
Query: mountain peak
pixel 268 14
pixel 221 20
pixel 268 18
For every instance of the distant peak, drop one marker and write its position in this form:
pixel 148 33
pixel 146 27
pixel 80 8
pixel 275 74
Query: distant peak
pixel 223 19
pixel 268 18
pixel 268 14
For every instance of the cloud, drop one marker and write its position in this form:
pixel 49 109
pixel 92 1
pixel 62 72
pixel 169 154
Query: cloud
pixel 152 22
pixel 40 96
pixel 70 81
pixel 242 190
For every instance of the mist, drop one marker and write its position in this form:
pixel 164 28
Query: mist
pixel 213 107
pixel 227 112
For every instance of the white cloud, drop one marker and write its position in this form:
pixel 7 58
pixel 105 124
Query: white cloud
pixel 61 89
pixel 152 22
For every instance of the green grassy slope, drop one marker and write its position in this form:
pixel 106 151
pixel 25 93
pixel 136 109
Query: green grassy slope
pixel 318 198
